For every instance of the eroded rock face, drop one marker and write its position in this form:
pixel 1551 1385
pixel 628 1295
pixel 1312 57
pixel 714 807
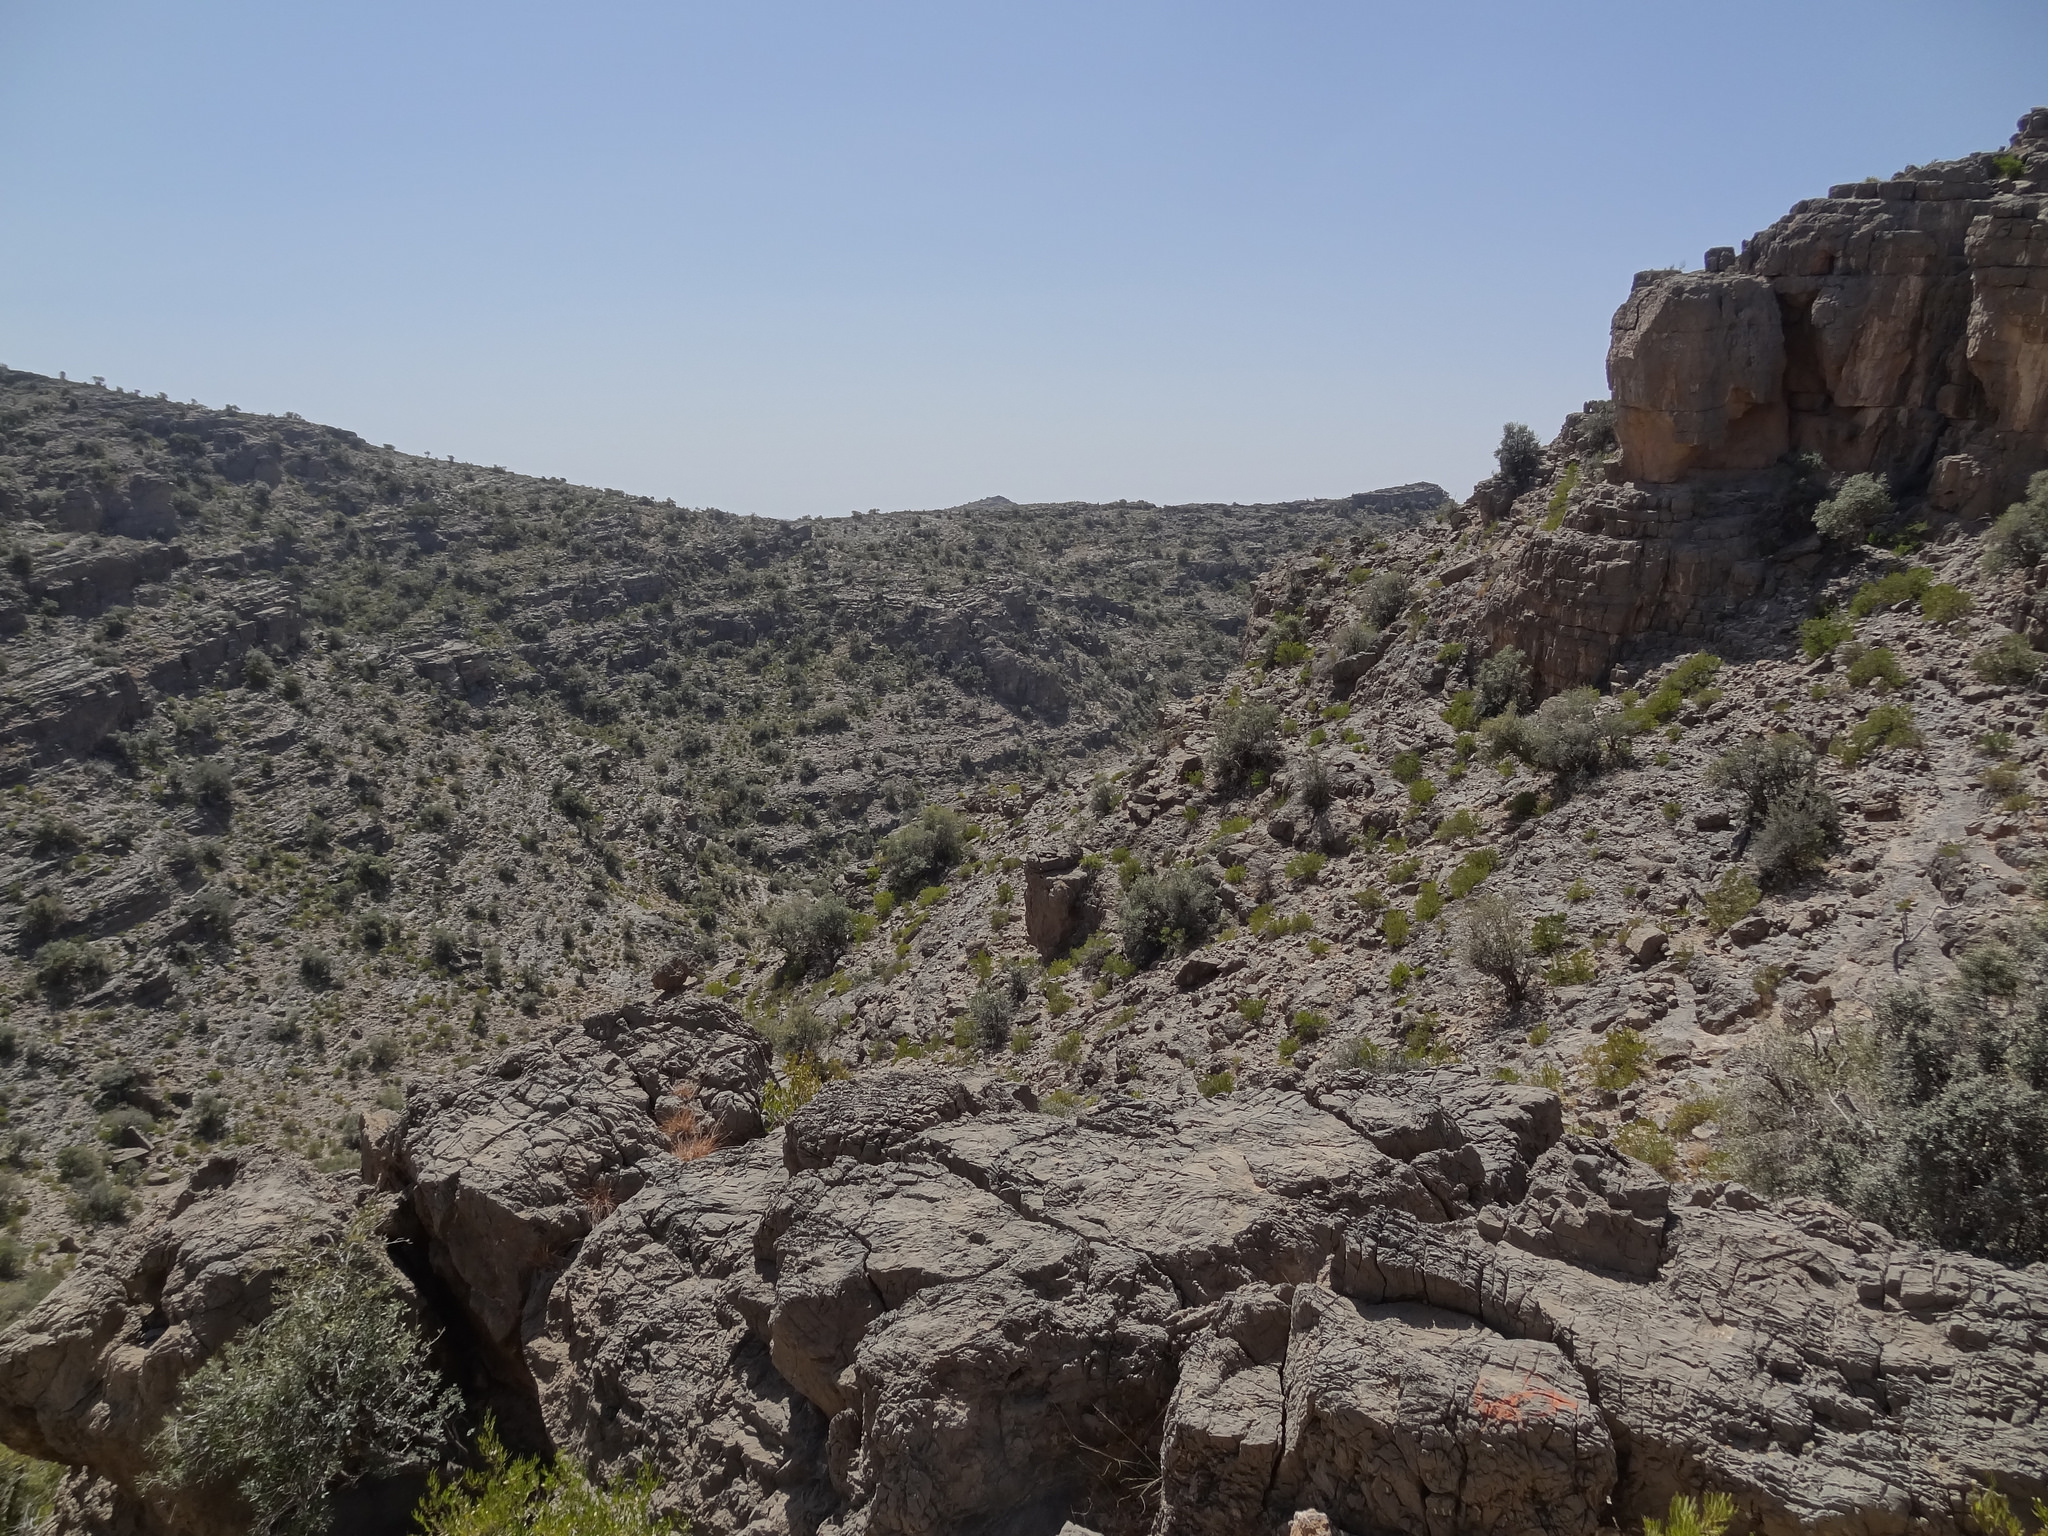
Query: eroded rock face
pixel 507 1169
pixel 87 1377
pixel 1897 327
pixel 1410 1303
pixel 1886 326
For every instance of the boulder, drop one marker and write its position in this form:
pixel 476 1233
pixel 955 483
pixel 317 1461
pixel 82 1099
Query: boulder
pixel 87 1377
pixel 1060 903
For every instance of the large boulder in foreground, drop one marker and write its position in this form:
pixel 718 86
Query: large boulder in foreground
pixel 505 1170
pixel 1411 1303
pixel 87 1377
pixel 1408 1303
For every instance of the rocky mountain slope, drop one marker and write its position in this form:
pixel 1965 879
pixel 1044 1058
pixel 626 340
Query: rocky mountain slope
pixel 323 759
pixel 1399 1096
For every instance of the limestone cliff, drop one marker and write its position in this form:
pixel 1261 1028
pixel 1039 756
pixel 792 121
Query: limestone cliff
pixel 1897 327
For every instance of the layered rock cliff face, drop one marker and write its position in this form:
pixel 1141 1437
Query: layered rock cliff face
pixel 1410 1304
pixel 1895 327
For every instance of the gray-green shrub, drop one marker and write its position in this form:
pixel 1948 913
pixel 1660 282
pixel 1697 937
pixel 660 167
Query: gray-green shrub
pixel 918 854
pixel 1792 818
pixel 1247 744
pixel 2020 536
pixel 812 932
pixel 333 1387
pixel 1861 504
pixel 1499 681
pixel 1167 913
pixel 1931 1119
pixel 1384 598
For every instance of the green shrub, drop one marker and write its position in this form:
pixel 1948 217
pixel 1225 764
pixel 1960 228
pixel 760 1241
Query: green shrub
pixel 1217 1084
pixel 915 855
pixel 1500 680
pixel 1247 744
pixel 1877 665
pixel 2020 537
pixel 334 1386
pixel 2008 659
pixel 574 802
pixel 1383 599
pixel 41 916
pixel 1429 902
pixel 1574 970
pixel 1461 823
pixel 1710 1515
pixel 1167 913
pixel 1891 589
pixel 1286 641
pixel 1944 603
pixel 208 1119
pixel 1885 728
pixel 1732 898
pixel 812 932
pixel 1394 927
pixel 1643 1141
pixel 1819 636
pixel 1068 1051
pixel 1406 766
pixel 1617 1059
pixel 1560 496
pixel 1948 1143
pixel 316 967
pixel 28 1492
pixel 1993 1512
pixel 1519 456
pixel 1305 866
pixel 1471 871
pixel 1569 735
pixel 1794 818
pixel 505 1496
pixel 71 965
pixel 1547 935
pixel 1861 504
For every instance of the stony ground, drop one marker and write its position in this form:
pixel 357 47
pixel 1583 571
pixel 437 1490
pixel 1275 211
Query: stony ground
pixel 1644 997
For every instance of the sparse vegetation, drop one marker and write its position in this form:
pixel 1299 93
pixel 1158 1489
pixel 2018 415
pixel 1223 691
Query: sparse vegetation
pixel 332 1387
pixel 1932 1119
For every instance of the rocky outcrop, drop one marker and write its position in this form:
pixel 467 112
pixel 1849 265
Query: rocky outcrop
pixel 505 1171
pixel 87 1377
pixel 1899 326
pixel 1406 1303
pixel 1060 903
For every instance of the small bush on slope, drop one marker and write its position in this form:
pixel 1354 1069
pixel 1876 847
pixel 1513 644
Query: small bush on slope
pixel 1932 1120
pixel 332 1387
pixel 521 1497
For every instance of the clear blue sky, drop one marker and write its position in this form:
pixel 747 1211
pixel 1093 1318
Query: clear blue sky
pixel 800 258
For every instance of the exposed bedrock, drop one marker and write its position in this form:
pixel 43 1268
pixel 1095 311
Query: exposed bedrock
pixel 1896 327
pixel 1412 1303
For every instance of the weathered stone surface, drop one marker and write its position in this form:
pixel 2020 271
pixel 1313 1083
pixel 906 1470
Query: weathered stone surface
pixel 1883 327
pixel 1059 900
pixel 87 1377
pixel 1408 1305
pixel 506 1170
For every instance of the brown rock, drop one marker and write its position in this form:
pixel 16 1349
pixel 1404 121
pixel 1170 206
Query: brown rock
pixel 1060 906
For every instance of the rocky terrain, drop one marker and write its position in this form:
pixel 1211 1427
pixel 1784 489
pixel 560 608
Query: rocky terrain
pixel 323 761
pixel 1346 1111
